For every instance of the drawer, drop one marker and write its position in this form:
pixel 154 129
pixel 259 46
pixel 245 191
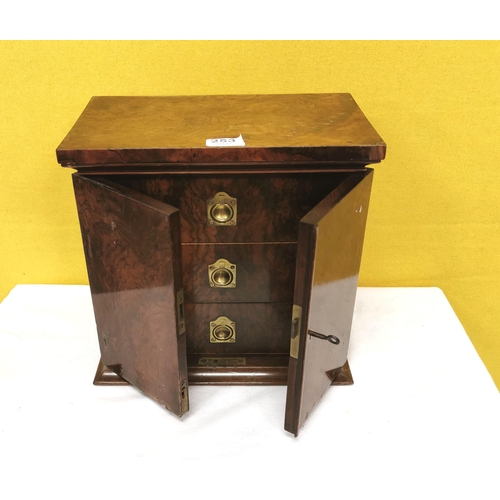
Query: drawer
pixel 267 207
pixel 263 272
pixel 259 328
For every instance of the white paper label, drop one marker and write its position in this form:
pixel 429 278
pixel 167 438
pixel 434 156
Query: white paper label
pixel 225 142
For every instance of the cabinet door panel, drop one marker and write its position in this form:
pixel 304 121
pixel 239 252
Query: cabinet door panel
pixel 132 250
pixel 328 261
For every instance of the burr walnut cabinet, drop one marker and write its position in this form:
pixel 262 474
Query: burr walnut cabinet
pixel 223 238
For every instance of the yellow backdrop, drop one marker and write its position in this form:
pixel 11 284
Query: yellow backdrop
pixel 434 214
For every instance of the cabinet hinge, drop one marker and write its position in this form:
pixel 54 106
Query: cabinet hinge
pixel 181 319
pixel 295 333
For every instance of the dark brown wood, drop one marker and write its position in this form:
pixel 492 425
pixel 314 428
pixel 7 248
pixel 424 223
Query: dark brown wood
pixel 104 376
pixel 265 272
pixel 257 370
pixel 145 178
pixel 269 207
pixel 267 168
pixel 132 250
pixel 344 376
pixel 328 261
pixel 260 328
pixel 278 128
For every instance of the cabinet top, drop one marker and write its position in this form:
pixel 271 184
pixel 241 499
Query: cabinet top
pixel 276 128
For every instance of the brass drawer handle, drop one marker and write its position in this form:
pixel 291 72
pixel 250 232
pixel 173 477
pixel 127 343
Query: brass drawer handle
pixel 222 210
pixel 222 274
pixel 222 330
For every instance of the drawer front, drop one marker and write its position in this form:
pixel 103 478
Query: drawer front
pixel 266 207
pixel 263 272
pixel 259 328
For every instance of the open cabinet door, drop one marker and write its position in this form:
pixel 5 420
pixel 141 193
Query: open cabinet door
pixel 328 260
pixel 132 249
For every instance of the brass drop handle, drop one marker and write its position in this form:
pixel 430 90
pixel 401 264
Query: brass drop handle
pixel 221 210
pixel 222 274
pixel 222 329
pixel 222 277
pixel 223 332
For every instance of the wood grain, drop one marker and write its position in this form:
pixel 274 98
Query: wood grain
pixel 260 328
pixel 257 370
pixel 146 176
pixel 329 257
pixel 265 272
pixel 132 250
pixel 269 206
pixel 172 129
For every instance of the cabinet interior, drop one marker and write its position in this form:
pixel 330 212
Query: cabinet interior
pixel 263 247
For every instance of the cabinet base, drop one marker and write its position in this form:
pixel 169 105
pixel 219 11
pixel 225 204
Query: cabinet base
pixel 224 370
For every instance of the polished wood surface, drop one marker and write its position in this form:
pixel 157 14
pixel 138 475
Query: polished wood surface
pixel 265 272
pixel 269 206
pixel 328 262
pixel 300 187
pixel 132 250
pixel 256 370
pixel 256 168
pixel 275 128
pixel 260 328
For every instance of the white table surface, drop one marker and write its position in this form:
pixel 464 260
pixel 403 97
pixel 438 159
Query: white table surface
pixel 422 419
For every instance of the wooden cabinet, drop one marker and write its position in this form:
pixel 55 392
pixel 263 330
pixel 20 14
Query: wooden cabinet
pixel 223 264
